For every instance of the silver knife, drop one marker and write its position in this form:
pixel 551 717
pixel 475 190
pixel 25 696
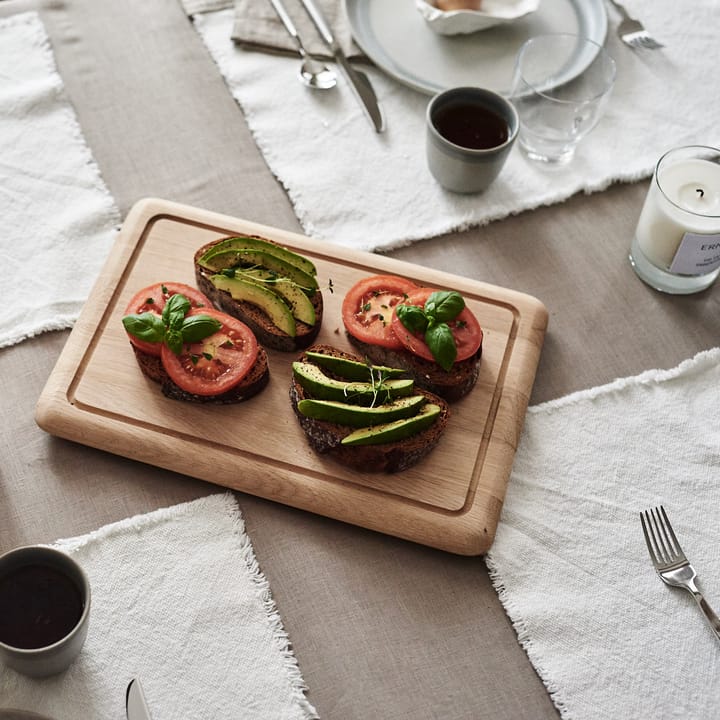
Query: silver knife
pixel 358 80
pixel 135 705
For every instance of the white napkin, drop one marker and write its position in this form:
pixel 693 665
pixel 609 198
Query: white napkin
pixel 569 561
pixel 57 219
pixel 257 26
pixel 372 191
pixel 179 601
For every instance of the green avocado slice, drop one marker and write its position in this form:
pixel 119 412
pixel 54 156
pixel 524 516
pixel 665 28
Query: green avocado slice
pixel 257 258
pixel 273 305
pixel 295 297
pixel 353 369
pixel 397 430
pixel 355 416
pixel 254 243
pixel 322 387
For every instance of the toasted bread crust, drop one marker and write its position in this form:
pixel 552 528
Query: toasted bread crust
pixel 451 386
pixel 250 385
pixel 254 317
pixel 325 437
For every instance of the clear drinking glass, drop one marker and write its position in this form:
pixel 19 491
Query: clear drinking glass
pixel 560 88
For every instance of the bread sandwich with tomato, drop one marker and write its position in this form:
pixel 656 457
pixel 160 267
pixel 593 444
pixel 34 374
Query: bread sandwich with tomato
pixel 270 288
pixel 429 333
pixel 367 417
pixel 195 352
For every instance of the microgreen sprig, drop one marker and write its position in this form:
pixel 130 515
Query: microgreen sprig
pixel 432 321
pixel 173 327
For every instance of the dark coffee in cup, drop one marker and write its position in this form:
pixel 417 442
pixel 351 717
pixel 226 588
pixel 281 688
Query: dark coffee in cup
pixel 39 605
pixel 471 126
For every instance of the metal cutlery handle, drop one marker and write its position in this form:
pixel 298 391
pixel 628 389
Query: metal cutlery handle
pixel 709 613
pixel 319 21
pixel 621 9
pixel 286 19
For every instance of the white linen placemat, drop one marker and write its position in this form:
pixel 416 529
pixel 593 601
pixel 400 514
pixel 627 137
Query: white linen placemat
pixel 57 219
pixel 179 601
pixel 569 561
pixel 372 191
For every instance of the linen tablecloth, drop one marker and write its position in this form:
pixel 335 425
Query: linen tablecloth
pixel 57 218
pixel 179 601
pixel 569 561
pixel 372 191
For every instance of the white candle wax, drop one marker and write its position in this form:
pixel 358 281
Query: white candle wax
pixel 684 197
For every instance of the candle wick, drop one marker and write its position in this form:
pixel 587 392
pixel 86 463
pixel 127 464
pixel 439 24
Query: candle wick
pixel 701 191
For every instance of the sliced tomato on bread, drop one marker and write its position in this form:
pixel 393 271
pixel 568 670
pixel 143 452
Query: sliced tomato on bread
pixel 465 328
pixel 218 362
pixel 153 299
pixel 368 306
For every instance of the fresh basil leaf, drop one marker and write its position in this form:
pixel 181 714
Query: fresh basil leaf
pixel 146 326
pixel 412 317
pixel 440 340
pixel 198 327
pixel 174 340
pixel 175 310
pixel 444 305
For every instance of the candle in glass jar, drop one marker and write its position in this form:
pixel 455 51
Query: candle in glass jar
pixel 679 226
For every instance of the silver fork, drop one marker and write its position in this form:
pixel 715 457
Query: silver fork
pixel 670 562
pixel 633 33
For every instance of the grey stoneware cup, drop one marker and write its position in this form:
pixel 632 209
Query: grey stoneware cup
pixel 463 169
pixel 55 657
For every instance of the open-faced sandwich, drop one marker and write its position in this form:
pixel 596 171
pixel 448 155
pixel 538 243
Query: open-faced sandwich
pixel 430 333
pixel 366 417
pixel 194 351
pixel 270 288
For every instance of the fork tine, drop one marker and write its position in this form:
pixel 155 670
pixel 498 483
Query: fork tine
pixel 660 551
pixel 641 39
pixel 650 42
pixel 645 522
pixel 678 551
pixel 663 542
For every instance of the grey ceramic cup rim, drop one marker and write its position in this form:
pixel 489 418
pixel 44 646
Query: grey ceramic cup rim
pixel 445 95
pixel 34 554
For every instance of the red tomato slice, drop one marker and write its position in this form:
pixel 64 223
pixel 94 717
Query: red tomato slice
pixel 153 299
pixel 465 328
pixel 368 308
pixel 215 364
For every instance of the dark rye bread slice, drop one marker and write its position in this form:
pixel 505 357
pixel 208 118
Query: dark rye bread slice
pixel 255 317
pixel 250 385
pixel 325 437
pixel 450 385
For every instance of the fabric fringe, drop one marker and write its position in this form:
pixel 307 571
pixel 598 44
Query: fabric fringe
pixel 280 636
pixel 698 362
pixel 525 639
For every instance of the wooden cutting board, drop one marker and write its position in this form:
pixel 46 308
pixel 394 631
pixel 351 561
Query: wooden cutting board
pixel 97 396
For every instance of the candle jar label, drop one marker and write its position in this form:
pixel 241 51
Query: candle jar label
pixel 697 254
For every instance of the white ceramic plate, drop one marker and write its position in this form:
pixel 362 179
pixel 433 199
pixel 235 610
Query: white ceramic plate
pixel 394 35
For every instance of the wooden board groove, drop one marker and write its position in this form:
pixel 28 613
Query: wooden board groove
pixel 97 396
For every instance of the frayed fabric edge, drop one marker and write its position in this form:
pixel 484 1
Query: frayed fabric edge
pixel 523 636
pixel 280 636
pixel 56 324
pixel 703 360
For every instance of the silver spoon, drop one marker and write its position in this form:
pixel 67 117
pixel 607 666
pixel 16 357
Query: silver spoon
pixel 313 73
